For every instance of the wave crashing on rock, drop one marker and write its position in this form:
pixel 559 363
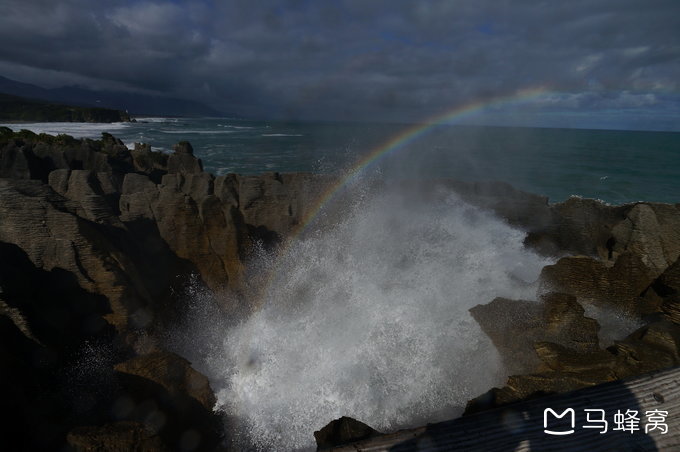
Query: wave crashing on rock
pixel 368 319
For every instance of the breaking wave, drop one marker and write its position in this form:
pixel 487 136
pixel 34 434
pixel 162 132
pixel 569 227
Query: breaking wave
pixel 369 319
pixel 75 129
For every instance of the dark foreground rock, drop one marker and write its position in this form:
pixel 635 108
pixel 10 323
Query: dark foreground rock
pixel 621 260
pixel 514 326
pixel 97 245
pixel 342 431
pixel 522 427
pixel 559 353
pixel 116 436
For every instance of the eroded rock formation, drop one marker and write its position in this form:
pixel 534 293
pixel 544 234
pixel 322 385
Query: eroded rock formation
pixel 96 245
pixel 623 260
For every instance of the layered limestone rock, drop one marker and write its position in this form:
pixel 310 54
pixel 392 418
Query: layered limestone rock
pixel 618 259
pixel 124 435
pixel 620 285
pixel 514 326
pixel 99 213
pixel 667 289
pixel 173 373
pixel 560 369
pixel 342 431
pixel 96 245
pixel 558 364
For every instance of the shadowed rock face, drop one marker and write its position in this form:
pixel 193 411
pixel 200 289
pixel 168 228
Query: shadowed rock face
pixel 638 277
pixel 124 435
pixel 173 373
pixel 619 285
pixel 96 211
pixel 521 427
pixel 98 241
pixel 622 259
pixel 341 431
pixel 515 325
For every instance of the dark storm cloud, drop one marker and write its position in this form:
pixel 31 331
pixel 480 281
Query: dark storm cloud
pixel 392 59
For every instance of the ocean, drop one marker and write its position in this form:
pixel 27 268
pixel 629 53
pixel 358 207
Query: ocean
pixel 610 165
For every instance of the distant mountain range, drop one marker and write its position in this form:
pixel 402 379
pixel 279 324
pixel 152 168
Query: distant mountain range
pixel 133 103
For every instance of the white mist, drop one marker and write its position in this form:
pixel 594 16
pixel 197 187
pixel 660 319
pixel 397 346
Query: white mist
pixel 368 319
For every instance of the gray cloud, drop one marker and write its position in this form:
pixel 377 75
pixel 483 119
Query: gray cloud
pixel 394 59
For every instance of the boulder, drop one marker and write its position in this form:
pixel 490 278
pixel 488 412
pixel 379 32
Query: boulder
pixel 583 226
pixel 668 282
pixel 166 401
pixel 620 285
pixel 173 373
pixel 116 436
pixel 652 347
pixel 183 147
pixel 652 232
pixel 94 195
pixel 519 208
pixel 342 431
pixel 183 160
pixel 515 325
pixel 149 162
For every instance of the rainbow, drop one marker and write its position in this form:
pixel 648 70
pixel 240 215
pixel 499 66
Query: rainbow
pixel 399 141
pixel 408 136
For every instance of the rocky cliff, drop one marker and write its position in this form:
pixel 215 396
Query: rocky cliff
pixel 14 108
pixel 97 243
pixel 620 261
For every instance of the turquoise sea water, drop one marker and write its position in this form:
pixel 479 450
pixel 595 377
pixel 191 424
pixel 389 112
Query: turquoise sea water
pixel 614 166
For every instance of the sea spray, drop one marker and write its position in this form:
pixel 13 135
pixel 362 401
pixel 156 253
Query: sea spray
pixel 367 319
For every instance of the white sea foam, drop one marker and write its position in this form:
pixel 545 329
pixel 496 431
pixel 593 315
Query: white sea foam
pixel 75 129
pixel 601 201
pixel 282 135
pixel 367 319
pixel 131 145
pixel 235 127
pixel 157 120
pixel 199 132
pixel 615 325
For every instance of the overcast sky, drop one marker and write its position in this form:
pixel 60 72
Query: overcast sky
pixel 601 62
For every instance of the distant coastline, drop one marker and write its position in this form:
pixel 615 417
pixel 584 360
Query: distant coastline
pixel 15 109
